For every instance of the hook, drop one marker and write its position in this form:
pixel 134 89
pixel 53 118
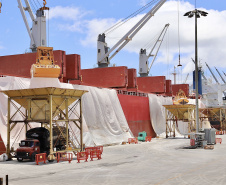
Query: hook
pixel 179 65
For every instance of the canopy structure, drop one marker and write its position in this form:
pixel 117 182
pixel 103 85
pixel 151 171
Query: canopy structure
pixel 48 106
pixel 178 112
pixel 216 114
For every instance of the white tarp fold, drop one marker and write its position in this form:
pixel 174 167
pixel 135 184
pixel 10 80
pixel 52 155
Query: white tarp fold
pixel 103 119
pixel 157 112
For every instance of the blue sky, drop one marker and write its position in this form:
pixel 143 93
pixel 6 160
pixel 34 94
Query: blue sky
pixel 75 25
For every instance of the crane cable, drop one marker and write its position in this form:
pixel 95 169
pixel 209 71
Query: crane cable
pixel 120 23
pixel 178 11
pixel 33 7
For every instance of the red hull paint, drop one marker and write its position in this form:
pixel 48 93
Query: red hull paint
pixel 108 77
pixel 73 67
pixel 132 78
pixel 152 84
pixel 136 110
pixel 20 65
pixel 2 146
pixel 177 87
pixel 168 88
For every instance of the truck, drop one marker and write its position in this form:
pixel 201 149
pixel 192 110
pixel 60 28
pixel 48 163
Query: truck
pixel 38 141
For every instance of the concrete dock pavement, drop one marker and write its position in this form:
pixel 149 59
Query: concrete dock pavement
pixel 161 161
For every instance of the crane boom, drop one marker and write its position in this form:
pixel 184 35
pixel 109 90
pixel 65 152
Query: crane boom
pixel 143 58
pixel 220 75
pixel 212 73
pixel 186 78
pixel 224 73
pixel 37 33
pixel 103 59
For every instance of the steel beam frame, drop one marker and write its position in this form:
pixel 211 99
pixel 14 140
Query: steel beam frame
pixel 53 119
pixel 172 119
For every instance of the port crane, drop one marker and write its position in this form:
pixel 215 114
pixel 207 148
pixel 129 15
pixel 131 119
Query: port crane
pixel 186 78
pixel 204 77
pixel 220 75
pixel 212 74
pixel 37 33
pixel 104 52
pixel 143 57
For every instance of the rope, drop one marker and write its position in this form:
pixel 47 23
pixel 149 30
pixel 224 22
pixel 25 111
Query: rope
pixel 39 3
pixel 35 4
pixel 150 43
pixel 178 8
pixel 33 7
pixel 120 23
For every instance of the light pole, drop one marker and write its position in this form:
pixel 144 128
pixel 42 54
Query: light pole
pixel 198 14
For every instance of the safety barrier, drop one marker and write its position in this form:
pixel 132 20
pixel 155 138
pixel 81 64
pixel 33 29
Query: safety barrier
pixel 82 156
pixel 40 158
pixel 95 154
pixel 220 132
pixel 192 142
pixel 101 148
pixel 218 140
pixel 89 149
pixel 64 156
pixel 148 138
pixel 133 140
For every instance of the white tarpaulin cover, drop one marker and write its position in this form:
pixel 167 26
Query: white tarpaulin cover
pixel 103 118
pixel 158 116
pixel 157 112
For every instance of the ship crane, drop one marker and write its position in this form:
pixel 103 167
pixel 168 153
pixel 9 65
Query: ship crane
pixel 212 74
pixel 185 81
pixel 103 52
pixel 222 88
pixel 220 75
pixel 204 77
pixel 143 58
pixel 37 33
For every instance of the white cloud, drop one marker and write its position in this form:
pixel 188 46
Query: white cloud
pixel 67 13
pixel 211 32
pixel 142 2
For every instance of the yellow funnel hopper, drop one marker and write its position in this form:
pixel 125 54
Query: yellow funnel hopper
pixel 45 64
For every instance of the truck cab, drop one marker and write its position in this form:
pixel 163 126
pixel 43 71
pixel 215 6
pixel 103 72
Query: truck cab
pixel 28 149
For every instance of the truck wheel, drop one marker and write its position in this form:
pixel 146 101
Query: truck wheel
pixel 33 157
pixel 20 159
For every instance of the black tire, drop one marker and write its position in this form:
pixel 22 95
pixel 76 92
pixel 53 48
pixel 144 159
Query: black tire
pixel 19 159
pixel 33 157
